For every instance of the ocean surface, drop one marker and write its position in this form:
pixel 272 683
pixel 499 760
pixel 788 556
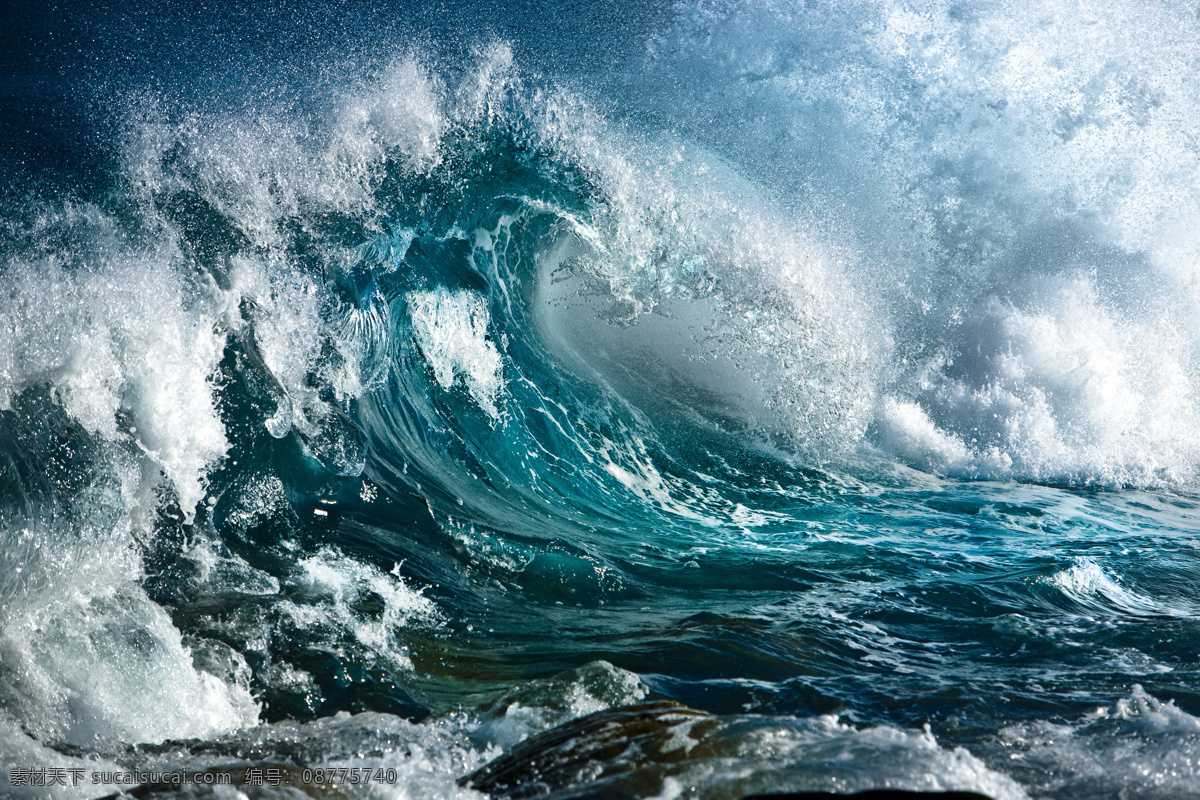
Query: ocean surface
pixel 385 384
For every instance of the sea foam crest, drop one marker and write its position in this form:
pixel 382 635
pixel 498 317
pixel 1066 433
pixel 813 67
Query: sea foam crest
pixel 1087 583
pixel 260 170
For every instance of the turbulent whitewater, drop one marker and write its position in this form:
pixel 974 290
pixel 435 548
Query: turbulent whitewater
pixel 384 386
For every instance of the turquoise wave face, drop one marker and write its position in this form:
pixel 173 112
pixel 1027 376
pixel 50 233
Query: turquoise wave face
pixel 828 371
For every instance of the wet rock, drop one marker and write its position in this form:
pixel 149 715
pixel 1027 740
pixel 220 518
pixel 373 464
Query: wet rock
pixel 604 744
pixel 627 753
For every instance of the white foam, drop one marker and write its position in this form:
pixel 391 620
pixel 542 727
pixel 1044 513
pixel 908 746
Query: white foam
pixel 109 665
pixel 87 658
pixel 261 170
pixel 451 329
pixel 118 333
pixel 1063 388
pixel 18 751
pixel 342 584
pixel 127 347
pixel 1138 747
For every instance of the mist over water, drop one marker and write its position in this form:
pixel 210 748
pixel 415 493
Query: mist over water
pixel 384 386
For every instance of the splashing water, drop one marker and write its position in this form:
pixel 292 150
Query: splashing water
pixel 407 382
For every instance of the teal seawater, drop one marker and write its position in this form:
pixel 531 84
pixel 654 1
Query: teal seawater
pixel 409 381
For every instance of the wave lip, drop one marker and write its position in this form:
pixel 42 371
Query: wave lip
pixel 1089 585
